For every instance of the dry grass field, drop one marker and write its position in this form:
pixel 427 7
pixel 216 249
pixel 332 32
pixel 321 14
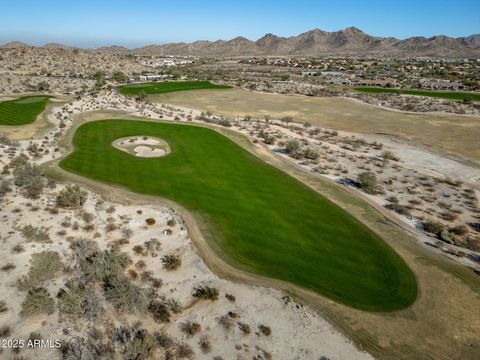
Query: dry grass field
pixel 438 132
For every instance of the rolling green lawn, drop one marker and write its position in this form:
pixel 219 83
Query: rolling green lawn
pixel 450 95
pixel 166 87
pixel 22 111
pixel 263 220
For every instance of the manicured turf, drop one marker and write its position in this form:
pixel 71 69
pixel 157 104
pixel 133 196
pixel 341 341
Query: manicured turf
pixel 166 87
pixel 22 111
pixel 451 95
pixel 263 220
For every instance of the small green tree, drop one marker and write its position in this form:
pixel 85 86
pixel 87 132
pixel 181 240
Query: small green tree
pixel 368 182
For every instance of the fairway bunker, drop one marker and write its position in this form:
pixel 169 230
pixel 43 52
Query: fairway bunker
pixel 142 146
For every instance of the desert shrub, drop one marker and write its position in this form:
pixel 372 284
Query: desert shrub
pixel 138 249
pixel 80 349
pixel 33 233
pixel 184 351
pixel 159 311
pixel 5 331
pixel 226 322
pixel 4 187
pixel 205 292
pixel 7 267
pixel 310 153
pixel 127 232
pixel 190 328
pixel 150 221
pixel 265 330
pixel 388 155
pixel 111 227
pixel 72 196
pixel 368 182
pixel 433 227
pixel 230 297
pixel 37 301
pixel 44 266
pixel 141 346
pixel 292 146
pixel 244 328
pixel 171 222
pixel 110 209
pixel 140 264
pixel 124 295
pixel 104 265
pixel 164 340
pixel 83 248
pixel 152 246
pixel 156 283
pixel 18 161
pixel 447 236
pixel 78 299
pixel 205 344
pixel 18 249
pixel 23 173
pixel 173 305
pixel 171 262
pixel 459 230
pixel 399 209
pixel 392 199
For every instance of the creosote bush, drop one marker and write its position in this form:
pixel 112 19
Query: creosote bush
pixel 368 182
pixel 72 196
pixel 190 328
pixel 171 262
pixel 44 266
pixel 205 292
pixel 37 301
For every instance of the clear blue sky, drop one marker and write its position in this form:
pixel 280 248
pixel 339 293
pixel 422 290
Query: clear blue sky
pixel 134 23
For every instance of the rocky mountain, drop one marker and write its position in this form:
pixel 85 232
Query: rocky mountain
pixel 350 41
pixel 473 39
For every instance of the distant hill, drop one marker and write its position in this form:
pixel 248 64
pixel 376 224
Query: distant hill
pixel 350 41
pixel 14 45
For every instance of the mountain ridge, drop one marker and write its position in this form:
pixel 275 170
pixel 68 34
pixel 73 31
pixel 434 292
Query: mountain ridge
pixel 316 42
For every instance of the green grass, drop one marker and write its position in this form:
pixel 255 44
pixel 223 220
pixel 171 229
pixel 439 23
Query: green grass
pixel 22 111
pixel 263 220
pixel 166 87
pixel 450 95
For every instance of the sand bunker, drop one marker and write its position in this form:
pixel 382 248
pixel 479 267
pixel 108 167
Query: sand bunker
pixel 143 146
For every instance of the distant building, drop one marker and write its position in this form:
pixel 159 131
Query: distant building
pixel 382 83
pixel 442 85
pixel 153 77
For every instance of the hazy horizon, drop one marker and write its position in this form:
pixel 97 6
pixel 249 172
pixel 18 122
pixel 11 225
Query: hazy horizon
pixel 125 23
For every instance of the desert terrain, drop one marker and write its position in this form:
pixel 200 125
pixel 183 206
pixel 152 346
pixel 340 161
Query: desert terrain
pixel 164 203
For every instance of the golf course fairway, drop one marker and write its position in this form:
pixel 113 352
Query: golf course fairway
pixel 22 111
pixel 263 220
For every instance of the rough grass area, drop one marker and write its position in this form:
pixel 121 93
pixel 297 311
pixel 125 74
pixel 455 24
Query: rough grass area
pixel 166 87
pixel 450 95
pixel 22 111
pixel 262 219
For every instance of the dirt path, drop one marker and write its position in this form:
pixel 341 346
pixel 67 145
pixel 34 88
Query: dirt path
pixel 442 324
